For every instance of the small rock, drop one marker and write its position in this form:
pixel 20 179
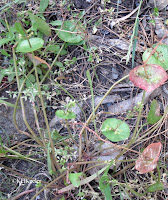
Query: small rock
pixel 106 155
pixel 115 73
pixel 108 99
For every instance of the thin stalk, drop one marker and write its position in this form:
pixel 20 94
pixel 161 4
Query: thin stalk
pixel 133 34
pixel 90 117
pixel 140 130
pixel 49 184
pixel 70 134
pixel 45 116
pixel 92 94
pixel 153 176
pixel 52 63
pixel 158 169
pixel 33 135
pixel 71 98
pixel 133 191
pixel 37 124
pixel 158 123
pixel 124 169
pixel 133 138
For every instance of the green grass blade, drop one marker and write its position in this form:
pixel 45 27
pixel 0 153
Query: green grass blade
pixel 133 34
pixel 135 42
pixel 92 94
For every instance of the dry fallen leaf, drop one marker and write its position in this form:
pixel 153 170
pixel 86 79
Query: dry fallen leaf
pixel 38 60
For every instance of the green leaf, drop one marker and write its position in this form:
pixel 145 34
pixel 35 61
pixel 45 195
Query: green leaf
pixel 31 77
pixel 39 71
pixel 18 27
pixel 159 57
pixel 56 23
pixel 65 115
pixel 1 77
pixel 154 113
pixel 43 5
pixel 11 77
pixel 39 24
pixel 105 187
pixel 74 178
pixel 7 103
pixel 56 136
pixel 5 40
pixel 49 162
pixel 156 187
pixel 3 52
pixel 59 64
pixel 70 33
pixel 28 84
pixel 115 129
pixel 36 43
pixel 53 48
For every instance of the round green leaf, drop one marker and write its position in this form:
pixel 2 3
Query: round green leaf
pixel 115 129
pixel 65 115
pixel 36 43
pixel 69 33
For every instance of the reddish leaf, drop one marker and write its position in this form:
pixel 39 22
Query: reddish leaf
pixel 148 77
pixel 147 161
pixel 38 60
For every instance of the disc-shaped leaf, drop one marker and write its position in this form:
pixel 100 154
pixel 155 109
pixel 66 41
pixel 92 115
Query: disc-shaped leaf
pixel 36 43
pixel 148 77
pixel 65 115
pixel 147 161
pixel 159 57
pixel 115 129
pixel 154 113
pixel 70 33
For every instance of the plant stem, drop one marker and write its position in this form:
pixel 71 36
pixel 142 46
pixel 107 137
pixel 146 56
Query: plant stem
pixel 33 135
pixel 158 123
pixel 158 169
pixel 52 63
pixel 90 117
pixel 45 116
pixel 133 191
pixel 134 136
pixel 153 176
pixel 70 134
